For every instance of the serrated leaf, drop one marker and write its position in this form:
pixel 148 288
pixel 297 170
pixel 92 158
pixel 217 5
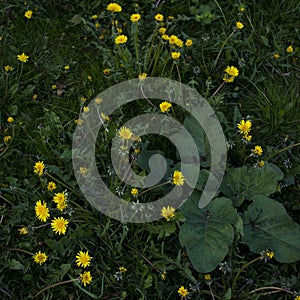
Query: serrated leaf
pixel 244 183
pixel 207 232
pixel 268 226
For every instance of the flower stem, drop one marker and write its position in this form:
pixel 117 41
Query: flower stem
pixel 54 285
pixel 153 187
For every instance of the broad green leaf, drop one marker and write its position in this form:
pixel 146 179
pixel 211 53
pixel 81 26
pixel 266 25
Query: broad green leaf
pixel 268 226
pixel 244 183
pixel 16 265
pixel 207 232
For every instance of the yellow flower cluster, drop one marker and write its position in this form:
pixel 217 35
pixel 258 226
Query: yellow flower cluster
pixel 231 73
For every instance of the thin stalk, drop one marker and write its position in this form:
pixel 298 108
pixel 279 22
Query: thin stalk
pixel 217 90
pixel 136 45
pixel 153 187
pixel 54 285
pixel 282 150
pixel 271 288
pixel 18 250
pixel 241 270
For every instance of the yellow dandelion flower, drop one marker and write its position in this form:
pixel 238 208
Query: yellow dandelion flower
pixel 247 137
pixel 34 96
pixel 122 269
pixel 165 106
pixel 159 17
pixel 143 76
pixel 39 168
pixel 135 18
pixel 106 72
pixel 244 126
pixel 239 25
pixel 173 39
pixel 10 119
pixel 168 212
pixel 290 49
pixel 134 191
pixel 179 43
pixel 94 17
pixel 8 68
pixel 67 67
pixel 242 9
pixel 59 225
pixel 125 133
pixel 83 171
pixel 83 259
pixel 51 186
pixel 41 211
pixel 23 230
pixel 165 37
pixel 178 178
pixel 257 150
pixel 261 164
pixel 276 55
pixel 164 275
pixel 53 86
pixel 28 14
pixel 232 71
pixel 40 257
pixel 23 57
pixel 162 30
pixel 97 25
pixel 114 7
pixel 207 277
pixel 182 291
pixel 188 42
pixel 121 39
pixel 86 109
pixel 7 138
pixel 175 55
pixel 86 278
pixel 105 117
pixel 269 254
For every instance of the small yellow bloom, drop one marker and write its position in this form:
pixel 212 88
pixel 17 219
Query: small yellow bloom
pixel 239 25
pixel 40 257
pixel 261 164
pixel 86 278
pixel 168 212
pixel 257 150
pixel 78 122
pixel 207 277
pixel 83 259
pixel 134 191
pixel 276 55
pixel 105 117
pixel 114 7
pixel 159 17
pixel 97 25
pixel 173 39
pixel 23 230
pixel 163 275
pixel 244 126
pixel 270 254
pixel 171 18
pixel 247 137
pixel 86 109
pixel 290 49
pixel 165 37
pixel 179 43
pixel 34 96
pixel 165 106
pixel 60 197
pixel 297 297
pixel 143 76
pixel 59 225
pixel 122 269
pixel 89 78
pixel 98 100
pixel 232 71
pixel 41 211
pixel 125 133
pixel 183 292
pixel 67 67
pixel 162 30
pixel 10 119
pixel 175 55
pixel 28 14
pixel 106 72
pixel 8 68
pixel 7 138
pixel 53 86
pixel 94 17
pixel 121 39
pixel 189 43
pixel 39 168
pixel 178 178
pixel 135 18
pixel 51 186
pixel 83 171
pixel 23 57
pixel 242 9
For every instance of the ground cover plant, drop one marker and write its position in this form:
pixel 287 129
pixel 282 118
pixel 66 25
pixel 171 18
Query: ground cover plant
pixel 57 57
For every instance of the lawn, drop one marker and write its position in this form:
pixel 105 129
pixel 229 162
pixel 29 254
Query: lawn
pixel 150 149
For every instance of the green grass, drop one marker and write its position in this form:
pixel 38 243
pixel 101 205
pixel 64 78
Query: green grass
pixel 267 91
